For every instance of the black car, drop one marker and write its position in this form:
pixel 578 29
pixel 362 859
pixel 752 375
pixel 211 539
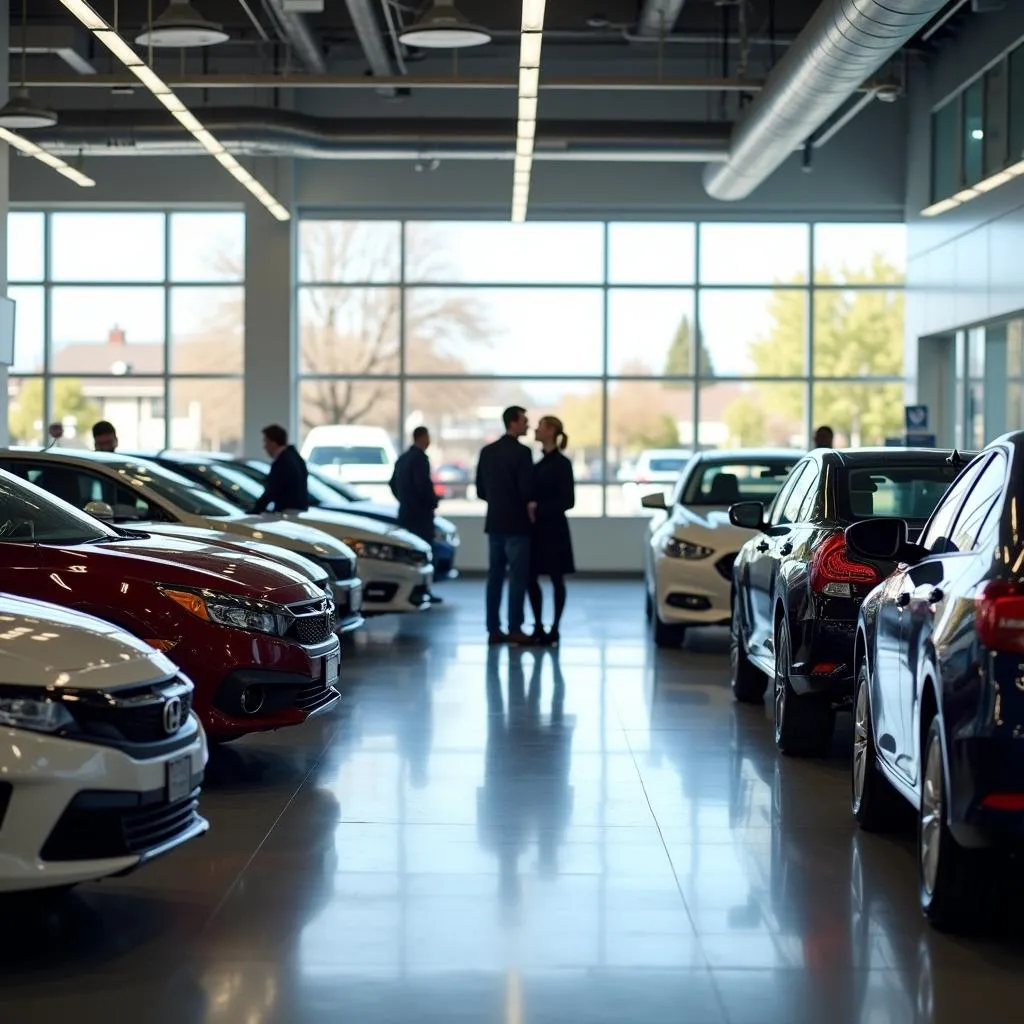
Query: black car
pixel 939 706
pixel 796 590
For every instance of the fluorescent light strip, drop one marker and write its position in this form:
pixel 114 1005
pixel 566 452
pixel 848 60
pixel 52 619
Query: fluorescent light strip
pixel 530 44
pixel 101 29
pixel 40 154
pixel 993 181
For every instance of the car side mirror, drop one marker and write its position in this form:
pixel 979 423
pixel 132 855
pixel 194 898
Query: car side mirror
pixel 654 501
pixel 748 515
pixel 100 510
pixel 882 540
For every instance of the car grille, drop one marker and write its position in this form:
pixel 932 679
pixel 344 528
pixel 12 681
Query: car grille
pixel 313 623
pixel 724 565
pixel 136 715
pixel 312 698
pixel 98 824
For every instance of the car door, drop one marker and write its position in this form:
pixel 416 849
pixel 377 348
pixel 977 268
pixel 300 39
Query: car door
pixel 951 537
pixel 763 565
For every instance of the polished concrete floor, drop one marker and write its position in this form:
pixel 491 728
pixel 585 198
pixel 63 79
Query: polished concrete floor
pixel 515 837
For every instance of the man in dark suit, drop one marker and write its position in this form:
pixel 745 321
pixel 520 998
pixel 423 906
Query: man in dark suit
pixel 288 481
pixel 504 479
pixel 414 490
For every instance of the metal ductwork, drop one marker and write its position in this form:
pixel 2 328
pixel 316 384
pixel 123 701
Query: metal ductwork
pixel 844 43
pixel 364 20
pixel 658 17
pixel 299 36
pixel 68 42
pixel 259 131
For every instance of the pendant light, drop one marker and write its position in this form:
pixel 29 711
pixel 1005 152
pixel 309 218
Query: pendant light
pixel 443 27
pixel 181 27
pixel 19 112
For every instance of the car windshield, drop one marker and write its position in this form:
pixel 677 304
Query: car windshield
pixel 726 483
pixel 667 465
pixel 356 455
pixel 237 488
pixel 906 492
pixel 178 490
pixel 29 515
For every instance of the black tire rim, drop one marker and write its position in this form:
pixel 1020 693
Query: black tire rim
pixel 781 676
pixel 861 733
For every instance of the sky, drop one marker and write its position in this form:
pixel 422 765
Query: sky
pixel 539 331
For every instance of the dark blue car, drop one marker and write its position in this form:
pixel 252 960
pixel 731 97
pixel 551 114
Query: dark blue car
pixel 939 697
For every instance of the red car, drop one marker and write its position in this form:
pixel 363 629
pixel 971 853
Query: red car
pixel 256 638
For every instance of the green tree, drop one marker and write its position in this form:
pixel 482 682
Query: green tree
pixel 857 333
pixel 745 421
pixel 678 360
pixel 68 403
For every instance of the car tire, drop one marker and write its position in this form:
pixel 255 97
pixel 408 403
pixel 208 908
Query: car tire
pixel 875 804
pixel 666 634
pixel 804 723
pixel 649 606
pixel 748 682
pixel 951 880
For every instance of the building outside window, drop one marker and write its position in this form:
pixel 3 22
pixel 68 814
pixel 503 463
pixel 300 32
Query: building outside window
pixel 136 318
pixel 642 338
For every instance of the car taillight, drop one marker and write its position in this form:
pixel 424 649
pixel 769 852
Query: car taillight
pixel 999 617
pixel 833 572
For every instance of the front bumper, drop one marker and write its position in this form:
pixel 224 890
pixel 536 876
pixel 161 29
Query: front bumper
pixel 694 592
pixel 393 587
pixel 348 604
pixel 94 810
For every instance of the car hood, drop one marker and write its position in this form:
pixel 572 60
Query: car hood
pixel 344 525
pixel 275 552
pixel 385 512
pixel 273 529
pixel 709 526
pixel 78 652
pixel 174 561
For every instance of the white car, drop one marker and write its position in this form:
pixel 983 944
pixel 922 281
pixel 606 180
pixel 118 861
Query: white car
pixel 395 567
pixel 690 551
pixel 652 467
pixel 101 758
pixel 354 454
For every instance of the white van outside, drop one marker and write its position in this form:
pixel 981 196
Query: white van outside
pixel 364 456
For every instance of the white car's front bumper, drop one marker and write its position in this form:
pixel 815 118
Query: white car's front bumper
pixel 693 592
pixel 63 794
pixel 394 586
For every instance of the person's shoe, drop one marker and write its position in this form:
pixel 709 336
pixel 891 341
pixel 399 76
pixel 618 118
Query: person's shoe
pixel 495 639
pixel 434 599
pixel 552 638
pixel 521 639
pixel 540 635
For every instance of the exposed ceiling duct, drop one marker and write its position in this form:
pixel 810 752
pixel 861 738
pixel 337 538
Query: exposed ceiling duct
pixel 843 44
pixel 260 131
pixel 658 17
pixel 299 36
pixel 68 42
pixel 364 20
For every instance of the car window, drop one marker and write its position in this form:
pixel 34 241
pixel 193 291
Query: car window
pixel 804 486
pixel 900 490
pixel 28 516
pixel 807 507
pixel 977 516
pixel 348 455
pixel 726 483
pixel 938 533
pixel 784 499
pixel 80 487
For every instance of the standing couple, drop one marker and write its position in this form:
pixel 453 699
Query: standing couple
pixel 526 525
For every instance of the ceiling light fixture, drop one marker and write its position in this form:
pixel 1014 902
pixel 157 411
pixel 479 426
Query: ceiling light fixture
pixel 965 195
pixel 40 154
pixel 181 27
pixel 19 111
pixel 443 27
pixel 530 41
pixel 175 107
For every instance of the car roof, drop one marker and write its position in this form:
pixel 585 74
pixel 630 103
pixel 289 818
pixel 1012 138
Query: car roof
pixel 853 457
pixel 76 453
pixel 741 455
pixel 178 456
pixel 655 452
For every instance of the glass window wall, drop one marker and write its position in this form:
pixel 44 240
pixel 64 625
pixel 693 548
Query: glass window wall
pixel 645 339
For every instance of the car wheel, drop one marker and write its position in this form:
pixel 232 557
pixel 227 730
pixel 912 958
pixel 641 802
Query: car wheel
pixel 873 800
pixel 748 683
pixel 951 879
pixel 666 634
pixel 803 723
pixel 648 606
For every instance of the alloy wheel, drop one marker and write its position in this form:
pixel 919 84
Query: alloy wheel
pixel 931 817
pixel 860 743
pixel 780 695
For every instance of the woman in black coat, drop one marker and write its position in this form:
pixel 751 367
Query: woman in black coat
pixel 551 546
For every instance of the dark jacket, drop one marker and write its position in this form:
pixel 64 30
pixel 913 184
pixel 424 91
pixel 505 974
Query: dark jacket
pixel 554 490
pixel 413 489
pixel 504 479
pixel 287 484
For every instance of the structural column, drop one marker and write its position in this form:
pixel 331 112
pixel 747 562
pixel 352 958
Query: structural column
pixel 269 391
pixel 5 188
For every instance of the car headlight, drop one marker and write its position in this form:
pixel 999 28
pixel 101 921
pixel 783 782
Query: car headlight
pixel 226 610
pixel 372 549
pixel 40 714
pixel 676 548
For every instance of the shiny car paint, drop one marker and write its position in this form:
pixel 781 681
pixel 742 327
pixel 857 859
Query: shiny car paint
pixel 124 578
pixel 64 657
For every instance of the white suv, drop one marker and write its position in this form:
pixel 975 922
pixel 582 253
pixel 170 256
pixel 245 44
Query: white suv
pixel 101 758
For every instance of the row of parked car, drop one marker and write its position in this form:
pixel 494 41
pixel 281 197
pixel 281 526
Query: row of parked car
pixel 887 582
pixel 146 612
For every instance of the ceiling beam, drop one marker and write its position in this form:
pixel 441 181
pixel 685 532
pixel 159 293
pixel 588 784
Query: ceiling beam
pixel 658 17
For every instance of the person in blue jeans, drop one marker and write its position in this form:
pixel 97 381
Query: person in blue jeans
pixel 504 479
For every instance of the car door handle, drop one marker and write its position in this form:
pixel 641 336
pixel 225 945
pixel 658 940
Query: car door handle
pixel 763 546
pixel 904 599
pixel 786 549
pixel 935 596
